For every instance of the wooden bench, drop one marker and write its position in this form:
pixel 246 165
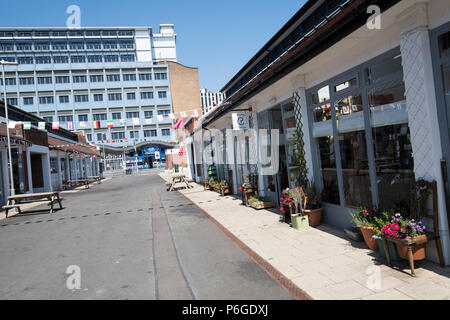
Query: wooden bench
pixel 95 179
pixel 178 179
pixel 15 202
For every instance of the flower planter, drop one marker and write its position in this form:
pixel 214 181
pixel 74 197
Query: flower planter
pixel 418 251
pixel 299 222
pixel 314 216
pixel 264 205
pixel 368 233
pixel 393 253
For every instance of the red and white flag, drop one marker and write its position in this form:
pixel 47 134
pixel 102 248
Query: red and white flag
pixel 69 125
pixel 179 124
pixel 55 125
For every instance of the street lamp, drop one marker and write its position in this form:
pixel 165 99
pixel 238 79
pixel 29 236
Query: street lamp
pixel 8 63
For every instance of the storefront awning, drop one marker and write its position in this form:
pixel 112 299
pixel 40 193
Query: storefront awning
pixel 65 146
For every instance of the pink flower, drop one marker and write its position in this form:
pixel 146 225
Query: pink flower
pixel 282 209
pixel 365 212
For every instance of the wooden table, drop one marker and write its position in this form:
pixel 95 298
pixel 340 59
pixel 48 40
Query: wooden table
pixel 409 244
pixel 17 200
pixel 177 180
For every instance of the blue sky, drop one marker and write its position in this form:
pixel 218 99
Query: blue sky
pixel 219 37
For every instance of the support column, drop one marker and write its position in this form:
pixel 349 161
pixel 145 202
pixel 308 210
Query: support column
pixel 46 172
pixel 422 108
pixel 5 175
pixel 29 172
pixel 58 170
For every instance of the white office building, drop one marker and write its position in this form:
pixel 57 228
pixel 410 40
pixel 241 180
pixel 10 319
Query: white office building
pixel 111 83
pixel 210 100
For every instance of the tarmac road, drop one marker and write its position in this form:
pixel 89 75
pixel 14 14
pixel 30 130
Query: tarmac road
pixel 126 238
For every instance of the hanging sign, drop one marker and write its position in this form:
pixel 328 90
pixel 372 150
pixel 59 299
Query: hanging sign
pixel 240 121
pixel 157 155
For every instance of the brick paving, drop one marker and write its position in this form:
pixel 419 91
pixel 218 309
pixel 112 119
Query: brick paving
pixel 321 262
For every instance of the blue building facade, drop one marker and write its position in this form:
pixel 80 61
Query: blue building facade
pixel 110 83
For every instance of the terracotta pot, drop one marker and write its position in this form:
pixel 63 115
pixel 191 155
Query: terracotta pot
pixel 368 233
pixel 314 216
pixel 419 251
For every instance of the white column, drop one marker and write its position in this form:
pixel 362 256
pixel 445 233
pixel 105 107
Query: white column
pixel 5 175
pixel 46 173
pixel 422 108
pixel 58 170
pixel 29 171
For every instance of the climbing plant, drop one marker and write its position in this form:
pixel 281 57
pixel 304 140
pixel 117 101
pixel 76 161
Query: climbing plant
pixel 299 143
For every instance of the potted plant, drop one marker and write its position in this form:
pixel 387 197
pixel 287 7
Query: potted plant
pixel 381 220
pixel 311 205
pixel 206 184
pixel 247 192
pixel 287 205
pixel 405 230
pixel 224 188
pixel 260 203
pixel 364 219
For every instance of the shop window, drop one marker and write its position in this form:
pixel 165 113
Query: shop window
pixel 355 169
pixel 349 114
pixel 322 125
pixel 444 45
pixel 328 170
pixel 321 95
pixel 384 70
pixel 346 85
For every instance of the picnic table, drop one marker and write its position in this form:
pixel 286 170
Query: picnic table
pixel 178 179
pixel 95 179
pixel 15 202
pixel 70 183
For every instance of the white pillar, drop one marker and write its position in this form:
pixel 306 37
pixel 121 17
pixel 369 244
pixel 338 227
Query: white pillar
pixel 46 172
pixel 58 170
pixel 29 171
pixel 422 108
pixel 5 175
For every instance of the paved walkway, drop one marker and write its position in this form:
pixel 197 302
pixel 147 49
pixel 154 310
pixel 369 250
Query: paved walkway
pixel 321 261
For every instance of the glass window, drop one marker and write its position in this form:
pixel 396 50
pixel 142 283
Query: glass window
pixel 45 80
pixel 25 60
pixel 383 70
pixel 100 117
pixel 28 101
pixel 162 94
pixel 79 79
pixel 349 114
pixel 60 59
pixel 113 77
pixel 118 135
pixel 132 115
pixel 11 101
pixel 328 170
pixel 134 134
pixel 83 118
pixel 127 58
pixel 26 81
pixel 43 60
pixel 355 169
pixel 101 136
pixel 131 96
pixel 96 78
pixel 98 97
pixel 165 132
pixel 387 104
pixel 446 80
pixel 62 79
pixel 95 59
pixel 65 119
pixel 78 59
pixel 114 96
pixel 321 95
pixel 45 100
pixel 150 133
pixel 160 76
pixel 444 45
pixel 148 114
pixel 346 84
pixel 129 77
pixel 145 76
pixel 48 119
pixel 63 99
pixel 394 165
pixel 146 95
pixel 111 58
pixel 117 116
pixel 82 98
